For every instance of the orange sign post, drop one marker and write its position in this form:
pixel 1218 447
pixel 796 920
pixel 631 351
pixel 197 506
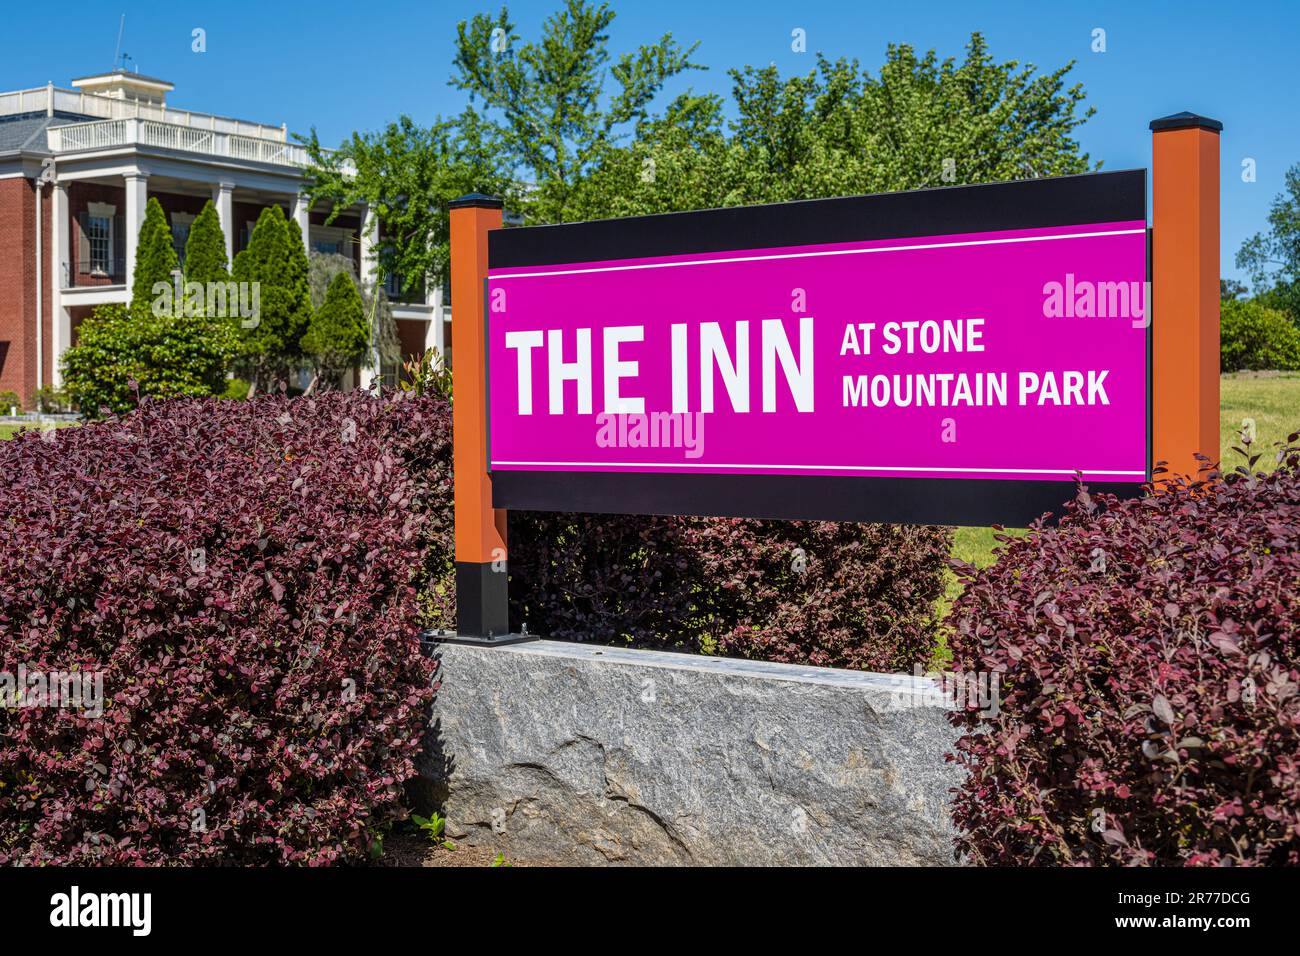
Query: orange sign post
pixel 1184 306
pixel 481 592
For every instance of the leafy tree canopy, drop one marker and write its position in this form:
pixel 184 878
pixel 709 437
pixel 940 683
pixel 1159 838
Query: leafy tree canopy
pixel 1272 258
pixel 406 175
pixel 840 130
pixel 551 106
pixel 566 129
pixel 120 353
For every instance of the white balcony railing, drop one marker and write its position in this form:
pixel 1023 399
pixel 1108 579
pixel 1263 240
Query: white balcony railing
pixel 135 131
pixel 51 99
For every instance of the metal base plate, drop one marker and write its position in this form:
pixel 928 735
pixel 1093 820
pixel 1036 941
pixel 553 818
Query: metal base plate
pixel 497 640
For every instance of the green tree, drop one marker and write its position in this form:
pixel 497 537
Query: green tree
pixel 338 336
pixel 919 122
pixel 683 160
pixel 840 130
pixel 119 352
pixel 566 131
pixel 1253 336
pixel 406 175
pixel 547 107
pixel 155 258
pixel 1230 289
pixel 297 281
pixel 264 258
pixel 383 340
pixel 205 249
pixel 270 344
pixel 1272 258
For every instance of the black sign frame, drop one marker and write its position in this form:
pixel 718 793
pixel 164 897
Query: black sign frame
pixel 1086 198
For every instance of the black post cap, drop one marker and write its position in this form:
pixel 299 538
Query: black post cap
pixel 1186 120
pixel 481 200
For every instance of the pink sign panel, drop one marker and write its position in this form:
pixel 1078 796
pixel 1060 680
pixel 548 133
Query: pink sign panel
pixel 1015 355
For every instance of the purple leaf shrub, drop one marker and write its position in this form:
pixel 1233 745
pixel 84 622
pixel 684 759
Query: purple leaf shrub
pixel 805 592
pixel 1149 661
pixel 243 578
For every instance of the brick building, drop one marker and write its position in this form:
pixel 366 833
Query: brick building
pixel 76 169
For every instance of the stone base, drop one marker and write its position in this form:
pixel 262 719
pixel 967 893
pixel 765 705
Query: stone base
pixel 594 755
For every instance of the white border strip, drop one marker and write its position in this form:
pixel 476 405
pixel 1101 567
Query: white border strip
pixel 827 252
pixel 611 465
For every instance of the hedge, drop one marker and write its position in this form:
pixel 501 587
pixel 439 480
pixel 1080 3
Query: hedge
pixel 806 592
pixel 243 578
pixel 1149 660
pixel 1254 337
pixel 248 578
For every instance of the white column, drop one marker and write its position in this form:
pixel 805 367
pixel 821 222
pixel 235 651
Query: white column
pixel 369 275
pixel 59 271
pixel 369 241
pixel 137 194
pixel 222 198
pixel 300 213
pixel 435 336
pixel 41 264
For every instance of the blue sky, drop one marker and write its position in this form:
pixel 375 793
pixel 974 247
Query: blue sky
pixel 347 65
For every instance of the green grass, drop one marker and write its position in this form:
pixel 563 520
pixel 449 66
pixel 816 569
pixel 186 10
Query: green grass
pixel 1272 399
pixel 9 431
pixel 974 546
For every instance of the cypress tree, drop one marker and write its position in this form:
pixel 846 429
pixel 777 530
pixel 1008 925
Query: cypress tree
pixel 376 309
pixel 264 258
pixel 205 250
pixel 264 262
pixel 297 267
pixel 337 337
pixel 297 280
pixel 155 258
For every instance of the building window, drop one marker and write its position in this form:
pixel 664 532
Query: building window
pixel 99 241
pixel 99 233
pixel 181 223
pixel 331 240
